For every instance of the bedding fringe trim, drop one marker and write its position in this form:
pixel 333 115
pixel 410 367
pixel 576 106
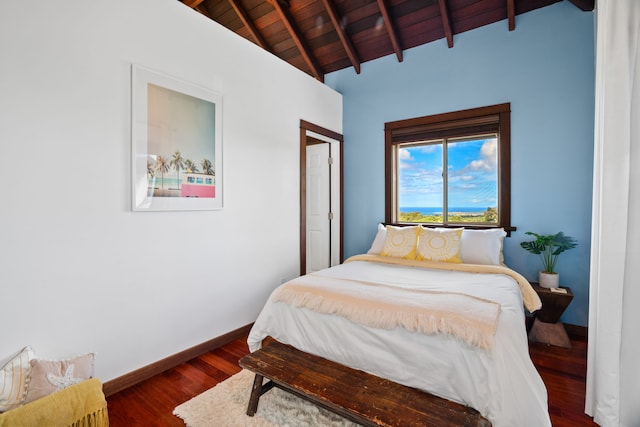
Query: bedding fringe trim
pixel 530 298
pixel 94 419
pixel 471 319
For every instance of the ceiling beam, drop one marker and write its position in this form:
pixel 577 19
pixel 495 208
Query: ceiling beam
pixel 446 22
pixel 393 35
pixel 247 22
pixel 344 37
pixel 192 3
pixel 287 20
pixel 511 14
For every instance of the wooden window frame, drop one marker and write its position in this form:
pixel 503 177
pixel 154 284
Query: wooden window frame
pixel 494 118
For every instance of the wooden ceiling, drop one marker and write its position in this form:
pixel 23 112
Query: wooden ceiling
pixel 321 36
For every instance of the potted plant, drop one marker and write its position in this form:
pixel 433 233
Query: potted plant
pixel 549 247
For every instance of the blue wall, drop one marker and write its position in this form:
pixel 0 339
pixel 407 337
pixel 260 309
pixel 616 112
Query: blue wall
pixel 545 69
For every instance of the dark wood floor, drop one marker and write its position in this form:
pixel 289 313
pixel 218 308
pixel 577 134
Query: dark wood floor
pixel 151 403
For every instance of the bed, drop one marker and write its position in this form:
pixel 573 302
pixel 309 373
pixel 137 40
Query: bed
pixel 454 329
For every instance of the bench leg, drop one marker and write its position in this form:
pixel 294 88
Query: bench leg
pixel 256 391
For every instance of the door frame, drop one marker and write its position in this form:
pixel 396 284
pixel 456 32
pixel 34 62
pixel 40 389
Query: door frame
pixel 304 128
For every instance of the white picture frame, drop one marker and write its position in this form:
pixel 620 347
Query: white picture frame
pixel 176 144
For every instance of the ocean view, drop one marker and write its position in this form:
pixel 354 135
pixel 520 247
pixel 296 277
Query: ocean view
pixel 165 183
pixel 438 210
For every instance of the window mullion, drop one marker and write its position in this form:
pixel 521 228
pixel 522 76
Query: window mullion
pixel 445 182
pixel 396 182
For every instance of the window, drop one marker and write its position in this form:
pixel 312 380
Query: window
pixel 450 169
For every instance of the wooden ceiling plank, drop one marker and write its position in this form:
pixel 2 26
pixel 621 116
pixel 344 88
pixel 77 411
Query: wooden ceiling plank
pixel 287 20
pixel 247 22
pixel 203 10
pixel 344 37
pixel 446 22
pixel 388 23
pixel 414 22
pixel 511 14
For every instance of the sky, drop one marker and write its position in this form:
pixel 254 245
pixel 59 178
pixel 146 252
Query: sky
pixel 180 122
pixel 472 174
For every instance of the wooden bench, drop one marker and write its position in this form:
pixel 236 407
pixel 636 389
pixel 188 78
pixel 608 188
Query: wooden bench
pixel 356 395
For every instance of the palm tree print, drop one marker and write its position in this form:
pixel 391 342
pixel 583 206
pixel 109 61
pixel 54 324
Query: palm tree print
pixel 190 166
pixel 151 168
pixel 162 166
pixel 207 167
pixel 177 163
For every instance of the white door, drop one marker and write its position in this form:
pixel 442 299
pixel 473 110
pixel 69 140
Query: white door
pixel 318 207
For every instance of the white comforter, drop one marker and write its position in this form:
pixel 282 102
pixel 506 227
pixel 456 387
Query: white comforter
pixel 501 383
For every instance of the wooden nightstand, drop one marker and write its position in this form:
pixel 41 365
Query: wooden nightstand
pixel 547 327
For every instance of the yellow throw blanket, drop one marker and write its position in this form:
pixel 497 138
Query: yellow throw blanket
pixel 530 298
pixel 472 319
pixel 81 405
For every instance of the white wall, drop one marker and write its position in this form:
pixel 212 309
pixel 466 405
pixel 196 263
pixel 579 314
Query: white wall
pixel 79 271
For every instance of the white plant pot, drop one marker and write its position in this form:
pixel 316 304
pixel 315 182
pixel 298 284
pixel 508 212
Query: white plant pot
pixel 549 280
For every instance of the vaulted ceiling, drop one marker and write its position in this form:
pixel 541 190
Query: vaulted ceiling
pixel 321 36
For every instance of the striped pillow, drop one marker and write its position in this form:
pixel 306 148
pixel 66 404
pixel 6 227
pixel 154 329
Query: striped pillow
pixel 14 378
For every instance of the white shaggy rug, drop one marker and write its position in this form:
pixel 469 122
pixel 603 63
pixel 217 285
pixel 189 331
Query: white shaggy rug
pixel 225 405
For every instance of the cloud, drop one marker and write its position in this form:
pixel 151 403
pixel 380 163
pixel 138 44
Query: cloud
pixel 405 159
pixel 490 148
pixel 430 148
pixel 489 157
pixel 404 154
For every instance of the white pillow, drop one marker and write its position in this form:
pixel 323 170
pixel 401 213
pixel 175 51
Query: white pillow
pixel 378 242
pixel 14 378
pixel 482 246
pixel 440 244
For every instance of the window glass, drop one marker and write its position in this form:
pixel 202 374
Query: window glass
pixel 469 182
pixel 420 182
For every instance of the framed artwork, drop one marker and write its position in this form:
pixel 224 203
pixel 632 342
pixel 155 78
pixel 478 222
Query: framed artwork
pixel 176 144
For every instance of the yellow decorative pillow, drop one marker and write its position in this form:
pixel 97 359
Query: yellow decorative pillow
pixel 400 242
pixel 440 245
